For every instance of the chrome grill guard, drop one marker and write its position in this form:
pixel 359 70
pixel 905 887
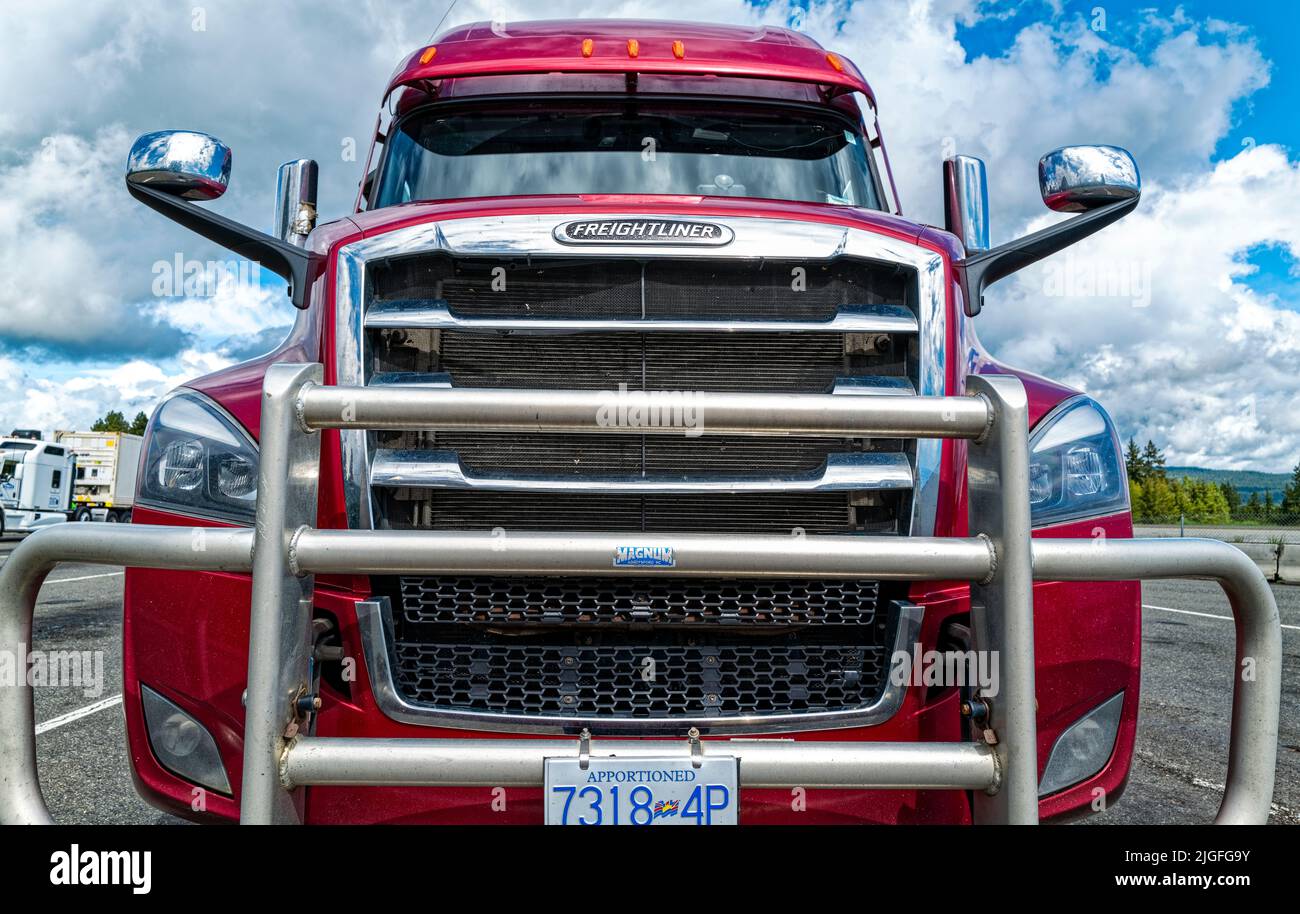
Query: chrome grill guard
pixel 283 553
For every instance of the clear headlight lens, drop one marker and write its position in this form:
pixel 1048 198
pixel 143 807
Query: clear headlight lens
pixel 199 461
pixel 1075 468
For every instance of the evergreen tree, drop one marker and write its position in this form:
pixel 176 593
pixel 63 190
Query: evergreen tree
pixel 1153 460
pixel 113 422
pixel 1133 462
pixel 1232 497
pixel 139 423
pixel 1291 495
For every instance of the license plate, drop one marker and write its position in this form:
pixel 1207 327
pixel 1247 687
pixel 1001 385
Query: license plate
pixel 642 791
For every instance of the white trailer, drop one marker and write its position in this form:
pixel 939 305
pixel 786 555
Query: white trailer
pixel 106 470
pixel 36 480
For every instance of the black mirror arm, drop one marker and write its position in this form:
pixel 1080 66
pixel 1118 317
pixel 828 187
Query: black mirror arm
pixel 979 272
pixel 294 264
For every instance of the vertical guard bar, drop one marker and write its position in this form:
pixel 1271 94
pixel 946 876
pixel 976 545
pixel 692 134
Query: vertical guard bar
pixel 1002 606
pixel 279 638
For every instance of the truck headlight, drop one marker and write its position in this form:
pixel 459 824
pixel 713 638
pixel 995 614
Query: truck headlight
pixel 1075 468
pixel 199 461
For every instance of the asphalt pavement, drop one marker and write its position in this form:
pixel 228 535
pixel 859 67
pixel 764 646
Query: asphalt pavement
pixel 1177 776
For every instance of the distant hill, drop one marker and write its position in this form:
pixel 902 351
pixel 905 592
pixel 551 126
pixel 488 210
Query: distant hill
pixel 1245 481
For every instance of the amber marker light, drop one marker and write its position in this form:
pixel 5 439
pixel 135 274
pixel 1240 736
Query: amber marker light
pixel 428 54
pixel 588 47
pixel 835 63
pixel 679 50
pixel 633 47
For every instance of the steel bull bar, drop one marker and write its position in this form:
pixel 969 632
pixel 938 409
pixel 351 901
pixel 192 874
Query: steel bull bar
pixel 283 553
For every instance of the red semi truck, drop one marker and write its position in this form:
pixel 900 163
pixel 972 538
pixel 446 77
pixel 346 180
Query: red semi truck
pixel 680 223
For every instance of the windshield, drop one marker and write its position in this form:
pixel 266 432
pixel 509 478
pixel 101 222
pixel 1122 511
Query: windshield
pixel 627 147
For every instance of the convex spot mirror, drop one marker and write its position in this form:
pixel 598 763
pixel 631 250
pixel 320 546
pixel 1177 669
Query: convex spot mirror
pixel 182 163
pixel 1076 179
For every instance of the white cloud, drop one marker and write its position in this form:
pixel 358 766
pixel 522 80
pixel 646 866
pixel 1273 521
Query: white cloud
pixel 29 398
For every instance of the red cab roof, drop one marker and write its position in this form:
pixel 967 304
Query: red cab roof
pixel 628 46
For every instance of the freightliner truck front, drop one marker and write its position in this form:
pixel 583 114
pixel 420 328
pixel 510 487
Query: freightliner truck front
pixel 692 232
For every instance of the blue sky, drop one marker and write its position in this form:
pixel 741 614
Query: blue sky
pixel 1197 345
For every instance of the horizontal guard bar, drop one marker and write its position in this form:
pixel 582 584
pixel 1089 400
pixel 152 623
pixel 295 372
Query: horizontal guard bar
pixel 518 762
pixel 696 554
pixel 888 472
pixel 629 412
pixel 434 314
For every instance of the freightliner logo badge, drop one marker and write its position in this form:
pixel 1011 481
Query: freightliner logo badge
pixel 644 231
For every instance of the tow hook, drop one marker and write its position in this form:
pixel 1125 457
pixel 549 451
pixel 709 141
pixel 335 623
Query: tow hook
pixel 979 712
pixel 306 703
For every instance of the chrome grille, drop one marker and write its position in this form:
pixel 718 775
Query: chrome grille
pixel 477 648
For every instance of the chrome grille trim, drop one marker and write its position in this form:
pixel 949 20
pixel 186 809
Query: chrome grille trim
pixel 436 315
pixel 442 469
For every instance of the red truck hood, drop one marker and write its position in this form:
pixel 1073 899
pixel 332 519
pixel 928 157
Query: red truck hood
pixel 394 217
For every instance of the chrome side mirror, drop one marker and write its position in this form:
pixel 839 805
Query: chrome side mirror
pixel 182 163
pixel 1075 179
pixel 295 200
pixel 966 201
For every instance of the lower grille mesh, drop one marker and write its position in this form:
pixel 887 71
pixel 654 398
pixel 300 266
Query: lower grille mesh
pixel 639 681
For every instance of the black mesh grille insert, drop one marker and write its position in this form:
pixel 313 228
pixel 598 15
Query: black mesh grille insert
pixel 639 681
pixel 625 455
pixel 609 287
pixel 748 512
pixel 706 602
pixel 787 362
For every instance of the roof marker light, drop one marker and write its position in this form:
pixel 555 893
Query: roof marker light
pixel 428 54
pixel 835 63
pixel 633 47
pixel 679 50
pixel 588 47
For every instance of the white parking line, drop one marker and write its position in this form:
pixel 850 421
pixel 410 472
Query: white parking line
pixel 55 722
pixel 1188 612
pixel 87 577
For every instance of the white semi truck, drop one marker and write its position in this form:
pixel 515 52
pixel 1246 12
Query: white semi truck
pixel 80 476
pixel 36 479
pixel 105 476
